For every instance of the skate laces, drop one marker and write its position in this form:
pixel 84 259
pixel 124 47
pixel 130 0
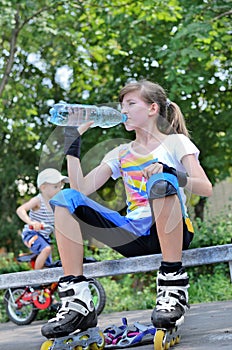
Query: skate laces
pixel 167 301
pixel 172 291
pixel 128 335
pixel 70 301
pixel 74 297
pixel 60 315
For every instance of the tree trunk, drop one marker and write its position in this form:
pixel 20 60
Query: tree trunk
pixel 199 208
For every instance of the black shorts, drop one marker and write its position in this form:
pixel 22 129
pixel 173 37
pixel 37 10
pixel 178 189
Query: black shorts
pixel 94 225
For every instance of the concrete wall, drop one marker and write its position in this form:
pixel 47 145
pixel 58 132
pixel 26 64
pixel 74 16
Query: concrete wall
pixel 221 201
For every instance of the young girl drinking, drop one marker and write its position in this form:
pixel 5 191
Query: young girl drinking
pixel 156 168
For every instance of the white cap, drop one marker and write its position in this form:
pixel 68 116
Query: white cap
pixel 51 176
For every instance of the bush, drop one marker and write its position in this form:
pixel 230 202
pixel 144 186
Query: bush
pixel 8 263
pixel 214 231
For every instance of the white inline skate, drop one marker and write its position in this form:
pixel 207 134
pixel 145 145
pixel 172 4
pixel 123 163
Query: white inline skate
pixel 74 327
pixel 171 305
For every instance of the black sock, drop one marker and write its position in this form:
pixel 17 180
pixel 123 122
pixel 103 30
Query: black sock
pixel 170 267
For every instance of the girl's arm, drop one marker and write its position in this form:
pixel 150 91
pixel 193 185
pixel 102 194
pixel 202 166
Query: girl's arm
pixel 197 181
pixel 92 181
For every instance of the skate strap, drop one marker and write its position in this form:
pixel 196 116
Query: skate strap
pixel 142 327
pixel 76 305
pixel 174 283
pixel 67 293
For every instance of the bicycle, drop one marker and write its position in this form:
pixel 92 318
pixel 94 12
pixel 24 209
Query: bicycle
pixel 22 304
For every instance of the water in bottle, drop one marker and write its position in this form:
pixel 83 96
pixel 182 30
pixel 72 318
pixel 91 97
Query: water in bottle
pixel 76 114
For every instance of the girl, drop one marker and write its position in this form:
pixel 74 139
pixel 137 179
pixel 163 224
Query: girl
pixel 156 168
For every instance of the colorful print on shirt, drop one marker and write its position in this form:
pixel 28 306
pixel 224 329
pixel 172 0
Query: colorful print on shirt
pixel 132 166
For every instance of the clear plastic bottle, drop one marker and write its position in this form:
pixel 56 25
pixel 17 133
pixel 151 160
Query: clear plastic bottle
pixel 76 114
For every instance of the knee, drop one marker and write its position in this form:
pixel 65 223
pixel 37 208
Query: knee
pixel 159 187
pixel 47 250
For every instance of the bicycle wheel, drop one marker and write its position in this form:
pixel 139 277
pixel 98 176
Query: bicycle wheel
pixel 98 295
pixel 20 316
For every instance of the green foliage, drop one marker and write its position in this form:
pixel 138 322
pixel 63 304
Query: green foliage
pixel 214 231
pixel 183 45
pixel 210 283
pixel 9 264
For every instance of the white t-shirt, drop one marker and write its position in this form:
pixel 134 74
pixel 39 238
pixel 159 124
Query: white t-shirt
pixel 128 164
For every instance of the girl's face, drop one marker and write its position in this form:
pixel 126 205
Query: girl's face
pixel 136 110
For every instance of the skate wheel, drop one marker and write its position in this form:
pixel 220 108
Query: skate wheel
pixel 159 340
pixel 173 342
pixel 84 337
pixel 46 345
pixel 177 340
pixel 100 344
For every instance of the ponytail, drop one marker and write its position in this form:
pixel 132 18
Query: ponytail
pixel 171 121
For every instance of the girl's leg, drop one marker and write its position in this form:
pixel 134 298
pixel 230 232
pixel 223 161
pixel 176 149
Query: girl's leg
pixel 77 310
pixel 169 224
pixel 69 241
pixel 172 280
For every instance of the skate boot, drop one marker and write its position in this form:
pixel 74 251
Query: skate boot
pixel 171 305
pixel 77 310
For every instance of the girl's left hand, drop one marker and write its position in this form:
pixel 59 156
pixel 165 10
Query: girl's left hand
pixel 151 169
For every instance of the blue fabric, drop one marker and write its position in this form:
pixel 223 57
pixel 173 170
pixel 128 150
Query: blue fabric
pixel 172 179
pixel 71 199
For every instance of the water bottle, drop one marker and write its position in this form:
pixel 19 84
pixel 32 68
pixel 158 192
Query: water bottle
pixel 63 114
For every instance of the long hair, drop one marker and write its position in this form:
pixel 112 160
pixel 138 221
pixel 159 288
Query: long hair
pixel 170 119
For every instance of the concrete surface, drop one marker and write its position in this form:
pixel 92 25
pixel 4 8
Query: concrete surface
pixel 207 326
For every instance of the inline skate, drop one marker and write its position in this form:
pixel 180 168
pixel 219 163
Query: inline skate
pixel 74 327
pixel 171 305
pixel 126 335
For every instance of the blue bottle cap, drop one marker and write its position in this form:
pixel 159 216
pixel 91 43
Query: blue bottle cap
pixel 124 118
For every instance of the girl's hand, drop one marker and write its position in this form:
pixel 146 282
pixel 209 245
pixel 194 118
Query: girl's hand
pixel 151 169
pixel 84 127
pixel 75 117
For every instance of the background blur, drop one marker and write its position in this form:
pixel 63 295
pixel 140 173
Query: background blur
pixel 85 51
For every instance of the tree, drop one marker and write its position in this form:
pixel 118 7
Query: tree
pixel 99 45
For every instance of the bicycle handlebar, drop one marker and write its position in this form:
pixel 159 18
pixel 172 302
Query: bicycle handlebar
pixel 42 227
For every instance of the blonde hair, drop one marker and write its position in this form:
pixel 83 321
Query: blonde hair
pixel 170 119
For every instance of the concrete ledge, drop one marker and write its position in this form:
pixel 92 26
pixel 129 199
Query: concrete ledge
pixel 191 257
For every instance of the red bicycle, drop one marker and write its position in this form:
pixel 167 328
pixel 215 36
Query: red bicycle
pixel 22 304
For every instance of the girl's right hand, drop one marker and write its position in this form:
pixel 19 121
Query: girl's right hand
pixel 84 127
pixel 153 168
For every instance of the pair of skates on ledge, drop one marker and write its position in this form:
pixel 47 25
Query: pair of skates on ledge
pixel 75 325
